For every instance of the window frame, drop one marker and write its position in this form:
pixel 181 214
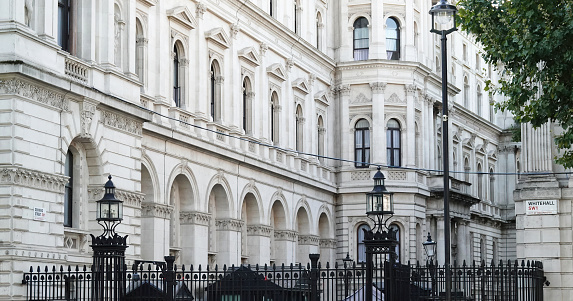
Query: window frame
pixel 69 191
pixel 391 148
pixel 393 54
pixel 362 53
pixel 360 246
pixel 64 20
pixel 364 132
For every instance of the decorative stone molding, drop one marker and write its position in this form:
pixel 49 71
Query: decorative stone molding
pixel 361 98
pixel 360 175
pixel 156 210
pixel 289 64
pixel 229 224
pixel 122 123
pixel 328 243
pixel 130 199
pixel 194 218
pixel 33 179
pixel 76 241
pixel 260 230
pixel 394 99
pixel 313 240
pixel 397 175
pixel 42 95
pixel 235 28
pixel 95 192
pixel 378 87
pixel 286 235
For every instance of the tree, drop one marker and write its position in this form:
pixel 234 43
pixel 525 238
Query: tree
pixel 531 41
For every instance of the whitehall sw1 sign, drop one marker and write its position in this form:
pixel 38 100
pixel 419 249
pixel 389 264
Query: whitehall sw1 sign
pixel 541 207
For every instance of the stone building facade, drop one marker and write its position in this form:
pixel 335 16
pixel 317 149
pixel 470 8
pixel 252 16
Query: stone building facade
pixel 242 131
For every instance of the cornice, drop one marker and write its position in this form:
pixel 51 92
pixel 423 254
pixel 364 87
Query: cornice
pixel 194 218
pixel 312 240
pixel 156 210
pixel 287 235
pixel 260 230
pixel 14 86
pixel 32 179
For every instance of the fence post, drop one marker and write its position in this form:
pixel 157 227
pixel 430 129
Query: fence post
pixel 169 275
pixel 314 293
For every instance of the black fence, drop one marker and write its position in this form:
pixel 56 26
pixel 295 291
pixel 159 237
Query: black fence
pixel 164 281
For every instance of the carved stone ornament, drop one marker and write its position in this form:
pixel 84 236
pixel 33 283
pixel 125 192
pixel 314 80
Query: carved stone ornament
pixel 156 210
pixel 328 243
pixel 129 198
pixel 286 235
pixel 200 10
pixel 410 89
pixel 260 230
pixel 378 87
pixel 33 179
pixel 289 64
pixel 394 99
pixel 361 98
pixel 122 123
pixel 263 48
pixel 344 90
pixel 309 240
pixel 229 224
pixel 235 28
pixel 42 95
pixel 194 218
pixel 86 116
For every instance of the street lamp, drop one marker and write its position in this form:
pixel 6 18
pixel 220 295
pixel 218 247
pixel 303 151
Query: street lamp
pixel 108 249
pixel 444 13
pixel 347 264
pixel 380 239
pixel 109 212
pixel 429 247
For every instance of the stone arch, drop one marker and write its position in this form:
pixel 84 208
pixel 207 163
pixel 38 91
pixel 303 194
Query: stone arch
pixel 356 118
pixel 303 204
pixel 88 177
pixel 355 17
pixel 252 232
pixel 280 237
pixel 221 186
pixel 151 184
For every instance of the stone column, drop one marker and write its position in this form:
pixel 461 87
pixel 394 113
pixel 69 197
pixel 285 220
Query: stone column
pixel 327 251
pixel 262 107
pixel 258 243
pixel 378 140
pixel 285 243
pixel 377 30
pixel 440 238
pixel 194 224
pixel 346 137
pixel 154 228
pixel 228 240
pixel 410 153
pixel 463 242
pixel 307 244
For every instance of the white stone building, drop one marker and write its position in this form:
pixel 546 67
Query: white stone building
pixel 208 114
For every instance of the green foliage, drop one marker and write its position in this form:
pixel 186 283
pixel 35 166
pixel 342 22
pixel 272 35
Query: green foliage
pixel 532 41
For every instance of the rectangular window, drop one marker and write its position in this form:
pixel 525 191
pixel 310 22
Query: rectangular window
pixel 64 24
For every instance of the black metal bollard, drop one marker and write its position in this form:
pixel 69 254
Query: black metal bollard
pixel 314 273
pixel 169 276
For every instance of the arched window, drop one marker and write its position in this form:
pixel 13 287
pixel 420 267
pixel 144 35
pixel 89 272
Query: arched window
pixel 392 39
pixel 479 100
pixel 319 26
pixel 362 143
pixel 275 110
pixel 393 143
pixel 247 106
pixel 467 170
pixel 140 53
pixel 320 136
pixel 361 39
pixel 480 182
pixel 64 9
pixel 466 92
pixel 491 186
pixel 176 86
pixel 299 128
pixel 69 192
pixel 395 227
pixel 216 84
pixel 361 250
pixel 297 16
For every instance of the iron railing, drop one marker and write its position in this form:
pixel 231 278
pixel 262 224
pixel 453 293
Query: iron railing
pixel 510 281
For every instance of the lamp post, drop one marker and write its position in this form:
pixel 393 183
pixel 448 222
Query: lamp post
pixel 379 202
pixel 430 249
pixel 109 249
pixel 347 264
pixel 444 13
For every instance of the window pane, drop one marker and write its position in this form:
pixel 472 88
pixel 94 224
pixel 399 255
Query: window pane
pixel 366 138
pixel 396 142
pixel 367 155
pixel 358 140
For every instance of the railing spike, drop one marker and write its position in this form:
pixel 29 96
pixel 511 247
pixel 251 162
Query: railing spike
pixel 464 263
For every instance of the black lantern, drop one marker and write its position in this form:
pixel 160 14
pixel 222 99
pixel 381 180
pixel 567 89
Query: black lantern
pixel 429 247
pixel 109 209
pixel 379 201
pixel 443 13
